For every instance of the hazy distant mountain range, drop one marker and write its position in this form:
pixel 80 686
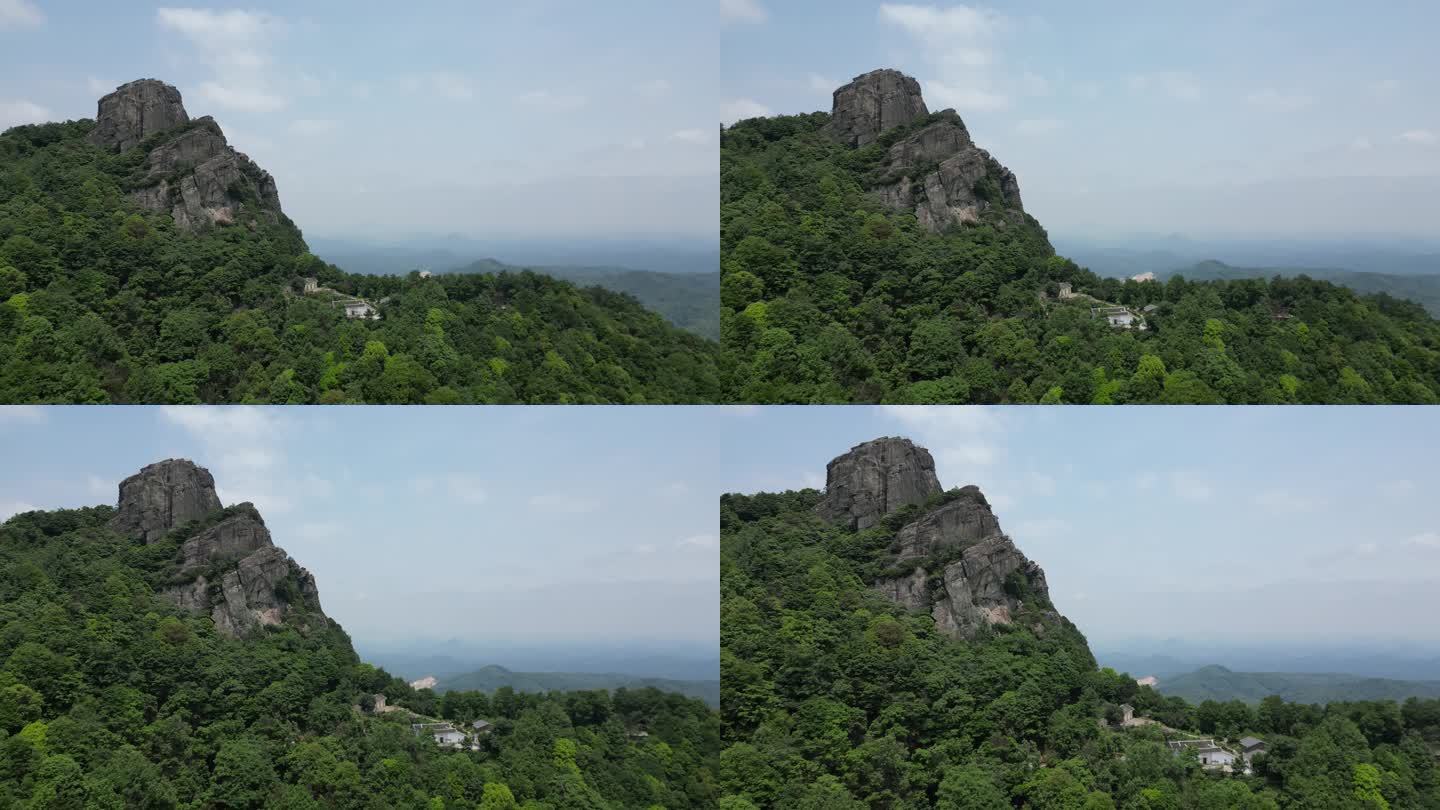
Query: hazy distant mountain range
pixel 488 679
pixel 1219 683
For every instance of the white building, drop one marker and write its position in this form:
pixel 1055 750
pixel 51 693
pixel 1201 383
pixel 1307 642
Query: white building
pixel 1066 291
pixel 444 734
pixel 360 309
pixel 1212 756
pixel 312 285
pixel 426 274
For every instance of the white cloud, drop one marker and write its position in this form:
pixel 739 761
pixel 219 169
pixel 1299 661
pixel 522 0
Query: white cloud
pixel 1040 484
pixel 743 11
pixel 20 14
pixel 466 488
pixel 1423 137
pixel 675 489
pixel 812 480
pixel 654 88
pixel 1038 126
pixel 1190 486
pixel 1146 481
pixel 1362 144
pixel 692 136
pixel 1401 488
pixel 561 502
pixel 740 109
pixel 1001 501
pixel 1041 528
pixel 442 83
pixel 553 102
pixel 821 84
pixel 235 45
pixel 99 487
pixel 99 87
pixel 1424 539
pixel 313 127
pixel 15 113
pixel 1385 88
pixel 959 436
pixel 9 509
pixel 701 541
pixel 1283 501
pixel 1174 84
pixel 959 44
pixel 1277 101
pixel 1033 84
pixel 23 415
pixel 245 447
pixel 244 424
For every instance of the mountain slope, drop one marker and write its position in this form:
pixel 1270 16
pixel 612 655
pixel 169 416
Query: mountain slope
pixel 490 678
pixel 690 301
pixel 884 644
pixel 1219 683
pixel 166 653
pixel 876 253
pixel 142 259
pixel 1422 289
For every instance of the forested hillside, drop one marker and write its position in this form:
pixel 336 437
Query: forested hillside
pixel 691 301
pixel 897 265
pixel 491 678
pixel 841 691
pixel 119 689
pixel 1422 288
pixel 157 267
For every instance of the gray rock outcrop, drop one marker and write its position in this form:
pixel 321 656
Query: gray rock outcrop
pixel 953 561
pixel 230 570
pixel 937 172
pixel 195 176
pixel 876 478
pixel 163 496
pixel 874 102
pixel 134 112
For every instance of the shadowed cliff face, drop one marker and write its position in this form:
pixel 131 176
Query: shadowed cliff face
pixel 959 566
pixel 935 171
pixel 192 173
pixel 228 568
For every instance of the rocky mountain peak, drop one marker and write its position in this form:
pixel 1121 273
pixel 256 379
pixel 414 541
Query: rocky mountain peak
pixel 193 174
pixel 162 496
pixel 228 568
pixel 953 561
pixel 876 478
pixel 934 170
pixel 135 111
pixel 874 102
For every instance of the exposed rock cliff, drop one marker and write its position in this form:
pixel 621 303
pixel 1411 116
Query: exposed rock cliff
pixel 229 568
pixel 876 478
pixel 192 173
pixel 953 561
pixel 162 496
pixel 936 171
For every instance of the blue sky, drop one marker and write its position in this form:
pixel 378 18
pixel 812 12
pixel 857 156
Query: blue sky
pixel 1231 524
pixel 549 117
pixel 535 525
pixel 1226 118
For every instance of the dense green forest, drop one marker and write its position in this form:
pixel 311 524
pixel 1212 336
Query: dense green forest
pixel 829 297
pixel 691 301
pixel 1423 289
pixel 835 698
pixel 488 679
pixel 102 302
pixel 1220 683
pixel 111 697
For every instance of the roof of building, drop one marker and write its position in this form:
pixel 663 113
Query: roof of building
pixel 482 724
pixel 1251 742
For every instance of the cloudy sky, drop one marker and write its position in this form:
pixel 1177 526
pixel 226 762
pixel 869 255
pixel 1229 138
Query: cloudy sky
pixel 1202 524
pixel 544 118
pixel 536 525
pixel 1226 118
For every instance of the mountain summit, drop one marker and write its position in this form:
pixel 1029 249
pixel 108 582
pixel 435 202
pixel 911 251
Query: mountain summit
pixel 951 559
pixel 226 566
pixel 188 170
pixel 931 165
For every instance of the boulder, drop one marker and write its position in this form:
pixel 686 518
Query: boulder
pixel 872 103
pixel 875 479
pixel 963 520
pixel 232 538
pixel 162 496
pixel 134 112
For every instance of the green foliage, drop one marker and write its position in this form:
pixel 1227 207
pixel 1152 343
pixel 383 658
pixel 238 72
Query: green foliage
pixel 102 303
pixel 111 697
pixel 829 297
pixel 834 696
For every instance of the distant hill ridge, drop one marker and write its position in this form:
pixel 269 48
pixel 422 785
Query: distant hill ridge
pixel 490 678
pixel 1222 684
pixel 1422 289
